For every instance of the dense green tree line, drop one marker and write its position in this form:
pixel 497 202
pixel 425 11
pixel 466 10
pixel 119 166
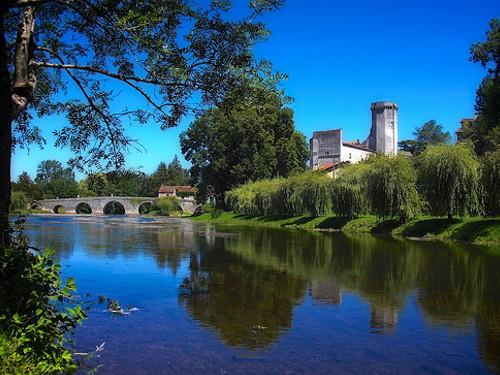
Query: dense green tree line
pixel 444 180
pixel 53 180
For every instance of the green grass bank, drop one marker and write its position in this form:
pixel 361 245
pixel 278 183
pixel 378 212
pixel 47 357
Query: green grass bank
pixel 478 231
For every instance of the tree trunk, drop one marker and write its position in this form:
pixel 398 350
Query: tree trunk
pixel 450 216
pixel 5 136
pixel 14 99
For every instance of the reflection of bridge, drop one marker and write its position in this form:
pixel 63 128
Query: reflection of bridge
pixel 101 205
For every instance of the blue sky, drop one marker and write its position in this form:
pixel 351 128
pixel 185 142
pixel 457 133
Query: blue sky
pixel 341 56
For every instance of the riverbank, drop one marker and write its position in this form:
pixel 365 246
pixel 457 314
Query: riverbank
pixel 478 231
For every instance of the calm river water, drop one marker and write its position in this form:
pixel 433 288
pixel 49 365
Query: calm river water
pixel 242 300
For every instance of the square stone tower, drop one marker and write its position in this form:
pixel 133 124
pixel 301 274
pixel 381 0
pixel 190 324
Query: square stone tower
pixel 383 136
pixel 326 147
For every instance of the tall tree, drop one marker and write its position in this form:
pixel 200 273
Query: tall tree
pixel 484 131
pixel 450 176
pixel 125 183
pixel 26 185
pixel 243 140
pixel 166 52
pixel 56 181
pixel 430 133
pixel 176 175
pixel 96 183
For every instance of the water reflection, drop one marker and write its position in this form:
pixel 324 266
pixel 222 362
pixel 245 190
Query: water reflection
pixel 270 291
pixel 258 276
pixel 249 305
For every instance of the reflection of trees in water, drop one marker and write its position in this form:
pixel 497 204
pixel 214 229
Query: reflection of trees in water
pixel 253 278
pixel 454 286
pixel 249 305
pixel 381 272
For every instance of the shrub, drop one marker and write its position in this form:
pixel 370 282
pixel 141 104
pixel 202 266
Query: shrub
pixel 391 187
pixel 450 179
pixel 206 208
pixel 167 206
pixel 216 213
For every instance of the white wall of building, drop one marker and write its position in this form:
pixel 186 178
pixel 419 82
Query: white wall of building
pixel 353 154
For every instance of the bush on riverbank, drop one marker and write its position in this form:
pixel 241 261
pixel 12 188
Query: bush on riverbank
pixel 168 206
pixel 33 324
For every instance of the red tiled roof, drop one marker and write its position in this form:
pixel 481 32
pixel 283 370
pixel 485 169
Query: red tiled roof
pixel 172 189
pixel 326 166
pixel 166 189
pixel 184 189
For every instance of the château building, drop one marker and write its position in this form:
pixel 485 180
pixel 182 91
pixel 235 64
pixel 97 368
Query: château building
pixel 329 150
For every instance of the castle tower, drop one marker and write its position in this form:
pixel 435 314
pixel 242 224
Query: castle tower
pixel 383 136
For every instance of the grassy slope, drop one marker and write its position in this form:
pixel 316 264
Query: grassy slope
pixel 473 230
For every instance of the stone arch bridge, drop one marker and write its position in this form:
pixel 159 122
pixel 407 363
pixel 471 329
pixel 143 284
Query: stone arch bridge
pixel 97 205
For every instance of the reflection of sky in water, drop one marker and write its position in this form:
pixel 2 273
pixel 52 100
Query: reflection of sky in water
pixel 272 301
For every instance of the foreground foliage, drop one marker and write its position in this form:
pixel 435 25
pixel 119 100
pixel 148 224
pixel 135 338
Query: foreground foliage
pixel 37 312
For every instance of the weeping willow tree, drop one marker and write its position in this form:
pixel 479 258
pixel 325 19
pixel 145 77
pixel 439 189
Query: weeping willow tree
pixel 450 177
pixel 349 199
pixel 491 182
pixel 391 187
pixel 255 198
pixel 305 193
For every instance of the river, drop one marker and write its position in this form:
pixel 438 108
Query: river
pixel 244 300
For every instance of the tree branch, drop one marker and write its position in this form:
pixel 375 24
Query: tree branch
pixel 125 79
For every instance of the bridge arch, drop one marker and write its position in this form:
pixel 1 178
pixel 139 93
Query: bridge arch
pixel 113 208
pixel 36 206
pixel 59 209
pixel 83 208
pixel 145 208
